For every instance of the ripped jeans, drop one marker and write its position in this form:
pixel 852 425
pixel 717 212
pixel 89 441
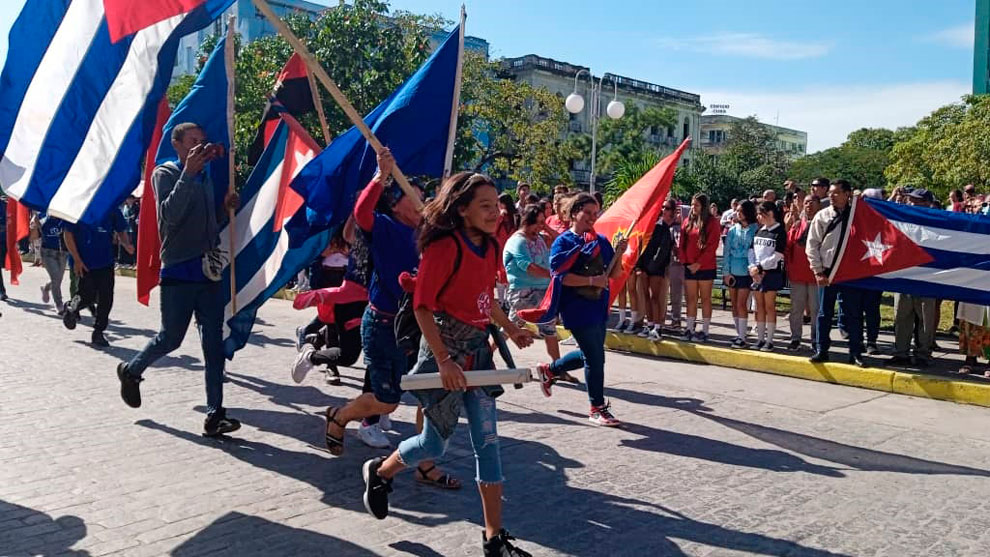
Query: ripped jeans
pixel 482 419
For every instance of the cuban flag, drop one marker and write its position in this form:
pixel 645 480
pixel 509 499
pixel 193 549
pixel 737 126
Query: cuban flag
pixel 79 96
pixel 264 259
pixel 916 250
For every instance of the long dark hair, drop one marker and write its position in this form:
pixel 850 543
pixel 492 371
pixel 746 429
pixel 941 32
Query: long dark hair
pixel 773 209
pixel 441 217
pixel 748 211
pixel 511 222
pixel 701 220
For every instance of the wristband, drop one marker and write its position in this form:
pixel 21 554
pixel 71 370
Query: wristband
pixel 445 360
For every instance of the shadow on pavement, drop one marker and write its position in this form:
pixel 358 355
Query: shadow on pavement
pixel 287 395
pixel 124 354
pixel 592 519
pixel 240 534
pixel 857 458
pixel 30 532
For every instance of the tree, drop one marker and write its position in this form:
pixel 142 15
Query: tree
pixel 946 149
pixel 861 159
pixel 510 129
pixel 366 50
pixel 623 142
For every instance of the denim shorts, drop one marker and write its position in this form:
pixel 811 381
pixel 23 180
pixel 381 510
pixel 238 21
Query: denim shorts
pixel 525 298
pixel 386 363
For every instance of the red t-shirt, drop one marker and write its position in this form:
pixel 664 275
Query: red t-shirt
pixel 556 224
pixel 469 294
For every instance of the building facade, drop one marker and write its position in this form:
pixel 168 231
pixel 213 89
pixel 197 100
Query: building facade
pixel 715 130
pixel 558 77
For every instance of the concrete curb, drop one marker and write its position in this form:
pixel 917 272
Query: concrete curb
pixel 877 379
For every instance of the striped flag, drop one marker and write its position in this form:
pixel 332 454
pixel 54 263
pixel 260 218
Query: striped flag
pixel 265 261
pixel 915 250
pixel 79 94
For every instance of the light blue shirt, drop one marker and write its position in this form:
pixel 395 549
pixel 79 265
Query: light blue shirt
pixel 519 253
pixel 735 250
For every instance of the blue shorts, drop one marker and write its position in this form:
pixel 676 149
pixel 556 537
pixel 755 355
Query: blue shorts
pixel 701 274
pixel 772 281
pixel 743 282
pixel 386 363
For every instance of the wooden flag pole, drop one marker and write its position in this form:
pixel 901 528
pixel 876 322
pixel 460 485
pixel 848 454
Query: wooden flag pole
pixel 318 104
pixel 448 163
pixel 231 186
pixel 335 92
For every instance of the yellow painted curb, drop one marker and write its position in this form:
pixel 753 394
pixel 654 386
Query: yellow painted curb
pixel 877 379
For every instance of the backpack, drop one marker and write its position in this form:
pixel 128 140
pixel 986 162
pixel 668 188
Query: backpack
pixel 407 332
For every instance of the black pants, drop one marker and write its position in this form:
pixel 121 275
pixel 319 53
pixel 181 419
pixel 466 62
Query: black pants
pixel 3 260
pixel 95 286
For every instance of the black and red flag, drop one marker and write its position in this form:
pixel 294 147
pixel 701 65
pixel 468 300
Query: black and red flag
pixel 292 94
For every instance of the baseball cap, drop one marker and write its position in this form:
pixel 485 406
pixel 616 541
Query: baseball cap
pixel 921 193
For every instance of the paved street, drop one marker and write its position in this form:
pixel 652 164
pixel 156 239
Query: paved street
pixel 712 461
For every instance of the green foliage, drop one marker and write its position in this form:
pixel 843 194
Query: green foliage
pixel 861 159
pixel 947 149
pixel 626 173
pixel 623 142
pixel 510 129
pixel 365 50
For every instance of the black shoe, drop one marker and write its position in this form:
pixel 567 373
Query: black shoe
pixel 794 345
pixel 3 297
pixel 218 424
pixel 858 360
pixel 899 361
pixel 501 546
pixel 99 340
pixel 70 318
pixel 922 361
pixel 872 349
pixel 818 358
pixel 376 489
pixel 130 386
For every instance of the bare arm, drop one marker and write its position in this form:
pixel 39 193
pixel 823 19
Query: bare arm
pixel 70 244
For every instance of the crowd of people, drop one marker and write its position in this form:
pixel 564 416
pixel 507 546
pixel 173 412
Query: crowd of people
pixel 438 287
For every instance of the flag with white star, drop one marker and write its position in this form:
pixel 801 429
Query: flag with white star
pixel 916 250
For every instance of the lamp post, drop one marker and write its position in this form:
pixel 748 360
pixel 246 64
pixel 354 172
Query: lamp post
pixel 574 103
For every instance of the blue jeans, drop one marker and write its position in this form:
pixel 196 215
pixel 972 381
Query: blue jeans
pixel 482 419
pixel 180 301
pixel 591 355
pixel 851 302
pixel 386 363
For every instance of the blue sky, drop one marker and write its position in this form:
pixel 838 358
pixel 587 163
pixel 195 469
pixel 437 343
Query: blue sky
pixel 824 67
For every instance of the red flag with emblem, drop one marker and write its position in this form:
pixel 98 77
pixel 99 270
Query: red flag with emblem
pixel 636 211
pixel 149 264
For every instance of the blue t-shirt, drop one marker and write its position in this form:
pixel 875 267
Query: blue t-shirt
pixel 190 270
pixel 95 243
pixel 576 311
pixel 393 251
pixel 51 233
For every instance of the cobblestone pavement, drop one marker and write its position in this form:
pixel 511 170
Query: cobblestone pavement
pixel 712 461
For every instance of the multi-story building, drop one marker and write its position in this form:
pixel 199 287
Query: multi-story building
pixel 715 133
pixel 558 78
pixel 252 25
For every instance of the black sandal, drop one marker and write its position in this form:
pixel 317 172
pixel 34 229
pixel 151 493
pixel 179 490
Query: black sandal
pixel 967 367
pixel 335 445
pixel 445 481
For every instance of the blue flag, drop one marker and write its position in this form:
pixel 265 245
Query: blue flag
pixel 414 122
pixel 206 106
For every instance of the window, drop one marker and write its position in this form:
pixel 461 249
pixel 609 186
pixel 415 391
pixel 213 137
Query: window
pixel 687 129
pixel 711 136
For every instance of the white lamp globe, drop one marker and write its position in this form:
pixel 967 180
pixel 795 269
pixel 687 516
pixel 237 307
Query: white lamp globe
pixel 615 110
pixel 574 103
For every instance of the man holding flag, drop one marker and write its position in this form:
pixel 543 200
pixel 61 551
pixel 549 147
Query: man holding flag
pixel 189 221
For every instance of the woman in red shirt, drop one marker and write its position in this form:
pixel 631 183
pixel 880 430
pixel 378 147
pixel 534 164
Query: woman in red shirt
pixel 453 303
pixel 699 242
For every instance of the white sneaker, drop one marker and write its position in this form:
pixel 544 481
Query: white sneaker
pixel 302 365
pixel 655 334
pixel 373 436
pixel 385 422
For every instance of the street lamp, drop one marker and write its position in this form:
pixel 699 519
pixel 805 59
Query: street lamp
pixel 574 103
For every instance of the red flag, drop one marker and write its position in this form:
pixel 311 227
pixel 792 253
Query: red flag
pixel 291 94
pixel 18 227
pixel 149 263
pixel 636 211
pixel 875 246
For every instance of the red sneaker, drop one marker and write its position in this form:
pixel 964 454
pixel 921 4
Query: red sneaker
pixel 546 378
pixel 602 415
